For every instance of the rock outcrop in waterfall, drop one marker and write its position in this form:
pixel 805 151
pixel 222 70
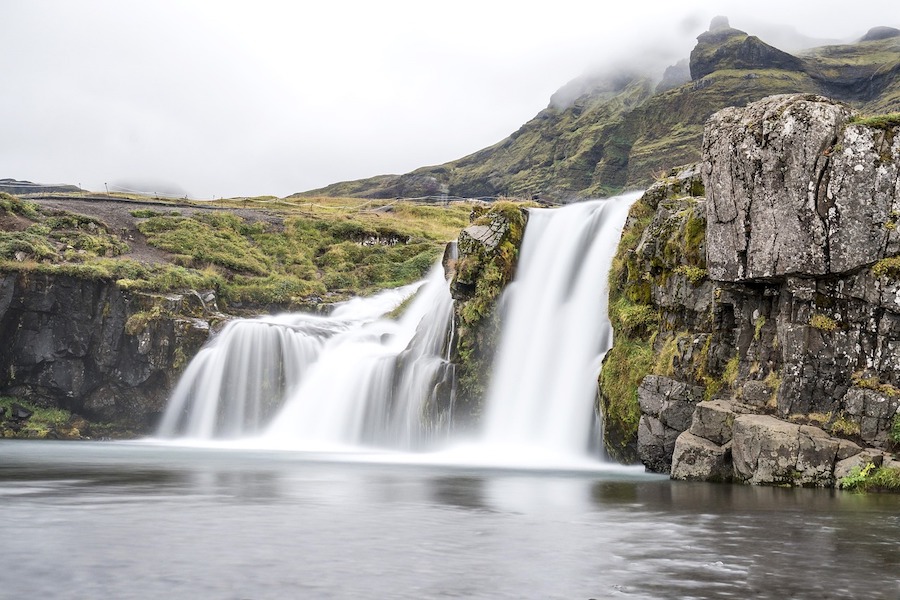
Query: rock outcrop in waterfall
pixel 756 302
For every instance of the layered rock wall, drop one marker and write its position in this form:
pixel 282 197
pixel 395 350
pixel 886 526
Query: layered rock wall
pixel 92 348
pixel 775 359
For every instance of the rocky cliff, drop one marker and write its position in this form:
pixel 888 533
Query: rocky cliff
pixel 93 349
pixel 618 129
pixel 756 302
pixel 488 253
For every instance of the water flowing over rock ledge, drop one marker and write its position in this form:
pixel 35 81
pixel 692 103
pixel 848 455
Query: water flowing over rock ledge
pixel 756 303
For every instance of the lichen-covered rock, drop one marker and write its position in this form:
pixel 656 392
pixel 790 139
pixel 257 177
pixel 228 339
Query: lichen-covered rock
pixel 764 167
pixel 667 407
pixel 794 188
pixel 769 451
pixel 874 411
pixel 696 458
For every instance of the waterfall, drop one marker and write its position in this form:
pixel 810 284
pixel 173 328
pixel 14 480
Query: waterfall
pixel 355 378
pixel 372 383
pixel 348 378
pixel 555 329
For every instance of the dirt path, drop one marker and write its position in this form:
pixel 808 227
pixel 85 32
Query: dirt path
pixel 116 213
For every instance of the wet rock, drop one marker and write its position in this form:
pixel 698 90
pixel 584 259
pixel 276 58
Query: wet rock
pixel 66 345
pixel 698 459
pixel 843 467
pixel 874 411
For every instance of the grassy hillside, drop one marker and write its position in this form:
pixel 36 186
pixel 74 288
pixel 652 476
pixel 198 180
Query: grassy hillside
pixel 621 135
pixel 254 252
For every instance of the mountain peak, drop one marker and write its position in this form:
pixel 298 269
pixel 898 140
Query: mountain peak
pixel 880 33
pixel 723 47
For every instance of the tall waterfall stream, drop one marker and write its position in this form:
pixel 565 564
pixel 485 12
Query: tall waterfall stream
pixel 358 379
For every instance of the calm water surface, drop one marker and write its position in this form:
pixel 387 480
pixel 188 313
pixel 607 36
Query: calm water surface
pixel 114 520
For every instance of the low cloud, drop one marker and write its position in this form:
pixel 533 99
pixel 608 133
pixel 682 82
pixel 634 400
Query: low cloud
pixel 226 98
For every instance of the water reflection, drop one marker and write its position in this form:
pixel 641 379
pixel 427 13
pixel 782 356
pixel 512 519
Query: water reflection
pixel 130 521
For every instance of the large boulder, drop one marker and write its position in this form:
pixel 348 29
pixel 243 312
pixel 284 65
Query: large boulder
pixel 794 189
pixel 769 451
pixel 698 459
pixel 667 407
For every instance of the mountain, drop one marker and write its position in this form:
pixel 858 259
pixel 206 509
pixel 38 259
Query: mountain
pixel 16 187
pixel 618 130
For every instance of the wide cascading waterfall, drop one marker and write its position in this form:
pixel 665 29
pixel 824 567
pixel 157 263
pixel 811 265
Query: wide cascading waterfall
pixel 356 379
pixel 555 329
pixel 351 377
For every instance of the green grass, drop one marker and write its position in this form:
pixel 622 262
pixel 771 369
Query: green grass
pixel 40 424
pixel 887 121
pixel 871 479
pixel 823 323
pixel 301 251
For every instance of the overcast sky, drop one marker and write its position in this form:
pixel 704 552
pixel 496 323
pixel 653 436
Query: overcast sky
pixel 222 98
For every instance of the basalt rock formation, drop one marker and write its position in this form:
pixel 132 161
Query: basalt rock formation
pixel 756 302
pixel 94 349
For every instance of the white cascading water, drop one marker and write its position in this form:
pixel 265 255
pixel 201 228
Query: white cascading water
pixel 371 383
pixel 353 378
pixel 299 378
pixel 555 329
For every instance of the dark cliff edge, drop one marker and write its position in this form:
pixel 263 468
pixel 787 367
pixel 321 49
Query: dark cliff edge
pixel 756 304
pixel 106 356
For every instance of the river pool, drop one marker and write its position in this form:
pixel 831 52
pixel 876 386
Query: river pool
pixel 139 520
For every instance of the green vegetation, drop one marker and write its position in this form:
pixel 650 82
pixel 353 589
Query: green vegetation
pixel 642 345
pixel 757 328
pixel 295 253
pixel 895 429
pixel 30 233
pixel 694 274
pixel 887 121
pixel 887 268
pixel 873 383
pixel 844 426
pixel 486 273
pixel 625 366
pixel 146 213
pixel 41 424
pixel 823 323
pixel 871 479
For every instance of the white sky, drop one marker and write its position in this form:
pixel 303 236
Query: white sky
pixel 227 98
